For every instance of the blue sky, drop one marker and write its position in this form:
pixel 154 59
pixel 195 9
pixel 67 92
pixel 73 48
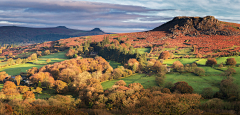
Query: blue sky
pixel 111 15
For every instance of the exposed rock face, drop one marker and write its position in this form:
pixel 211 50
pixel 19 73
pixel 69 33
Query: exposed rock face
pixel 194 26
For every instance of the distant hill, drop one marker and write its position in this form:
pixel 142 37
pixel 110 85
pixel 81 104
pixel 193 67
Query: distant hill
pixel 26 35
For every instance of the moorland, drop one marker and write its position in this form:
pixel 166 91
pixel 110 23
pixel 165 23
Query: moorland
pixel 189 65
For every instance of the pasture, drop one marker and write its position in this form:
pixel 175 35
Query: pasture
pixel 146 81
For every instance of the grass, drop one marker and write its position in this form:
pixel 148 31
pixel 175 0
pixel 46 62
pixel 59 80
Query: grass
pixel 47 93
pixel 137 78
pixel 17 69
pixel 182 60
pixel 143 50
pixel 114 64
pixel 197 82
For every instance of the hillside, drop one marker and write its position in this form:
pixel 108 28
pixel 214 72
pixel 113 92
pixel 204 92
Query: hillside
pixel 26 35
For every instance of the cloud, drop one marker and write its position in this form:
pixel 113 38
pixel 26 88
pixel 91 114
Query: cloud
pixel 76 14
pixel 111 15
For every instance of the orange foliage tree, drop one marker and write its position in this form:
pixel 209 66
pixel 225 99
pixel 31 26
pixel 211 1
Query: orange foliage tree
pixel 231 61
pixel 10 89
pixel 44 77
pixel 28 95
pixel 60 86
pixel 3 75
pixel 182 87
pixel 211 62
pixel 164 55
pixel 18 79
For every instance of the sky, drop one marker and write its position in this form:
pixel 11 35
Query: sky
pixel 119 16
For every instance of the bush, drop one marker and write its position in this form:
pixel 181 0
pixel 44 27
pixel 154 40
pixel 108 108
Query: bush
pixel 166 90
pixel 211 62
pixel 121 83
pixel 231 61
pixel 199 71
pixel 207 93
pixel 182 87
pixel 159 80
pixel 177 64
pixel 164 55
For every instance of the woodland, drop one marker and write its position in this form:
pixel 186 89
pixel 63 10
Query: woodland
pixel 182 67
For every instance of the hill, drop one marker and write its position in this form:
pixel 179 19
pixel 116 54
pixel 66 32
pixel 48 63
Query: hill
pixel 26 35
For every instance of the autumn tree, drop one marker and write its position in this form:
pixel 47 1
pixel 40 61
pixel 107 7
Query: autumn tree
pixel 3 75
pixel 117 73
pixel 120 83
pixel 199 71
pixel 47 52
pixel 32 71
pixel 33 56
pixel 133 64
pixel 182 87
pixel 38 90
pixel 229 72
pixel 48 60
pixel 231 61
pixel 60 86
pixel 228 89
pixel 177 65
pixel 10 89
pixel 23 89
pixel 18 61
pixel 211 62
pixel 164 55
pixel 39 53
pixel 207 93
pixel 18 79
pixel 28 95
pixel 70 53
pixel 161 71
pixel 198 55
pixel 44 78
pixel 68 74
pixel 10 62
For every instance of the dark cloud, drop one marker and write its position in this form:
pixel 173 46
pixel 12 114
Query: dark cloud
pixel 76 14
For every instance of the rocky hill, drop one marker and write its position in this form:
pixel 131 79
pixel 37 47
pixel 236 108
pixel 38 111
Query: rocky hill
pixel 194 26
pixel 25 35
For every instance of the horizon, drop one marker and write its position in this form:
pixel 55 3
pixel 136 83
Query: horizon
pixel 111 16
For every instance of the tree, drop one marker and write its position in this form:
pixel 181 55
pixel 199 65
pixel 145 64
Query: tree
pixel 117 73
pixel 164 55
pixel 47 52
pixel 70 53
pixel 18 79
pixel 228 89
pixel 211 62
pixel 33 56
pixel 159 80
pixel 182 87
pixel 39 53
pixel 231 61
pixel 3 75
pixel 23 89
pixel 48 60
pixel 161 71
pixel 18 61
pixel 28 95
pixel 199 71
pixel 44 77
pixel 199 55
pixel 60 86
pixel 207 93
pixel 10 62
pixel 177 65
pixel 32 71
pixel 38 90
pixel 229 72
pixel 120 83
pixel 10 89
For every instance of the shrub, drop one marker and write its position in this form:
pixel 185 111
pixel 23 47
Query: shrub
pixel 47 52
pixel 159 80
pixel 231 61
pixel 211 62
pixel 199 71
pixel 164 55
pixel 39 90
pixel 177 64
pixel 23 89
pixel 117 73
pixel 28 95
pixel 166 90
pixel 48 60
pixel 207 93
pixel 60 86
pixel 182 87
pixel 121 83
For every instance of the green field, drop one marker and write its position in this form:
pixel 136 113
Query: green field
pixel 114 64
pixel 146 81
pixel 45 94
pixel 143 50
pixel 17 69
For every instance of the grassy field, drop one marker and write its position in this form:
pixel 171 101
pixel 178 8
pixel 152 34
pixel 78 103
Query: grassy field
pixel 197 82
pixel 45 94
pixel 182 60
pixel 146 81
pixel 114 64
pixel 17 69
pixel 143 50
